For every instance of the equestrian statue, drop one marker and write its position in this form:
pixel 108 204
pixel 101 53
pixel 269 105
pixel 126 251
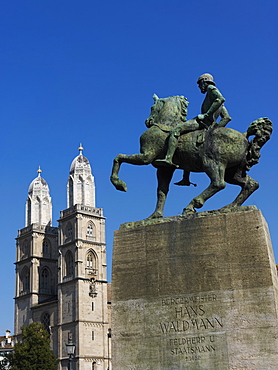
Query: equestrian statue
pixel 198 145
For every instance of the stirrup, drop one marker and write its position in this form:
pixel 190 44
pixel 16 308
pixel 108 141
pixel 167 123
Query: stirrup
pixel 165 162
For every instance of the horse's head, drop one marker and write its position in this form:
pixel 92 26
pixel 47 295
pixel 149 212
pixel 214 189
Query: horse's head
pixel 168 111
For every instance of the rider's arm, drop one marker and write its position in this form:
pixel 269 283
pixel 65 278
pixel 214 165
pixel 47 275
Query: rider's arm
pixel 217 100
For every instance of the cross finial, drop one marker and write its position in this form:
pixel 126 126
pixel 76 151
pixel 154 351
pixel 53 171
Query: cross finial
pixel 80 149
pixel 39 171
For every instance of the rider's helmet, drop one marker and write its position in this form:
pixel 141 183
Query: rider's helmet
pixel 207 77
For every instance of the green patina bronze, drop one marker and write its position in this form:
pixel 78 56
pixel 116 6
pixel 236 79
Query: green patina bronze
pixel 212 108
pixel 202 145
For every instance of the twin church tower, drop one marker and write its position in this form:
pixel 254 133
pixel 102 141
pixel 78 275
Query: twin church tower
pixel 61 271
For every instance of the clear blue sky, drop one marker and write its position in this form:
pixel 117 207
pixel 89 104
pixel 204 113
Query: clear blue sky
pixel 85 71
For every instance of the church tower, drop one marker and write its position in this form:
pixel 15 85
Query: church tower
pixel 61 271
pixel 82 284
pixel 36 255
pixel 38 203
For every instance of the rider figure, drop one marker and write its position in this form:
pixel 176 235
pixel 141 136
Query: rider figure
pixel 212 108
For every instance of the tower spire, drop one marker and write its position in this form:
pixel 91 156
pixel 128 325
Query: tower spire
pixel 81 184
pixel 80 149
pixel 38 203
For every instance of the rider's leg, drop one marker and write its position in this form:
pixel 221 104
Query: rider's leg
pixel 172 146
pixel 181 129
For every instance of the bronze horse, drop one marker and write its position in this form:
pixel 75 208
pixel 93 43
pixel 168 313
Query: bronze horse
pixel 222 153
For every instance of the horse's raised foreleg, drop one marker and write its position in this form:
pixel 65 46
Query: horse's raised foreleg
pixel 216 174
pixel 164 177
pixel 137 159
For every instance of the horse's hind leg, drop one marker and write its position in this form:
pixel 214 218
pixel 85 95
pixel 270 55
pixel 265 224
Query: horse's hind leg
pixel 164 177
pixel 248 186
pixel 216 174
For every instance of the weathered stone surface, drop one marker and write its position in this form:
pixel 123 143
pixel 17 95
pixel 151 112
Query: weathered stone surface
pixel 199 293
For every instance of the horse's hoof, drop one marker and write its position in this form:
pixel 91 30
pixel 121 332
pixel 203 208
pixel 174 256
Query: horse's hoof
pixel 120 185
pixel 188 211
pixel 229 207
pixel 154 216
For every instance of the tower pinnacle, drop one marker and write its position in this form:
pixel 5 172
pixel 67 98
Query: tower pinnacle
pixel 81 184
pixel 80 149
pixel 38 203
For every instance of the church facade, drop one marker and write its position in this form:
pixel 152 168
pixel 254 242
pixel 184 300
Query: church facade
pixel 61 271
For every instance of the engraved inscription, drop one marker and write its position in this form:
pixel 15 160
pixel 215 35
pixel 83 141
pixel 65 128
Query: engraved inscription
pixel 185 316
pixel 187 300
pixel 184 325
pixel 192 346
pixel 190 318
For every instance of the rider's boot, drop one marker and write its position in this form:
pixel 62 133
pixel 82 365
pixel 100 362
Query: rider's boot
pixel 185 180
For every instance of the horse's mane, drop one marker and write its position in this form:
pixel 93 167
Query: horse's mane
pixel 183 105
pixel 169 111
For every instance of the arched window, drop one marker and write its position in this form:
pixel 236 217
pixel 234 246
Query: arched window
pixel 89 191
pixel 91 263
pixel 45 247
pixel 69 232
pixel 37 218
pixel 70 192
pixel 25 280
pixel 25 249
pixel 90 260
pixel 45 214
pixel 29 210
pixel 90 231
pixel 80 190
pixel 45 319
pixel 45 281
pixel 69 264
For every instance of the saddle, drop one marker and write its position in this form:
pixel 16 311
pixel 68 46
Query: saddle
pixel 200 137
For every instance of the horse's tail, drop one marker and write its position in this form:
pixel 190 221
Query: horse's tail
pixel 262 129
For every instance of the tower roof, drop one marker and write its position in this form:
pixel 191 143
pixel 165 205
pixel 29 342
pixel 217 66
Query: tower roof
pixel 38 183
pixel 38 204
pixel 80 162
pixel 81 184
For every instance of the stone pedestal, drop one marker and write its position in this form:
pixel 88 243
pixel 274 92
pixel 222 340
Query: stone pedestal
pixel 199 293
